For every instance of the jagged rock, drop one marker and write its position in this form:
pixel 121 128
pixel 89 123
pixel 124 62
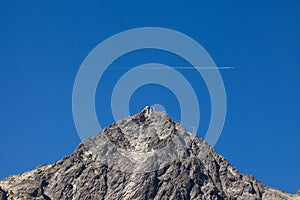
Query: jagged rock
pixel 145 156
pixel 3 194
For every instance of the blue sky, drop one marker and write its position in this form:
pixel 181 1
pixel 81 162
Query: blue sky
pixel 42 46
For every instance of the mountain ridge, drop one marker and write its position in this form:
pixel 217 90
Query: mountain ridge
pixel 144 156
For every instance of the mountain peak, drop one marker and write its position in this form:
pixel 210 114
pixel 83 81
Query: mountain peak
pixel 144 142
pixel 144 156
pixel 150 114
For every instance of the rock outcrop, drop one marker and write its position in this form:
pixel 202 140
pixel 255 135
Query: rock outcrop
pixel 145 156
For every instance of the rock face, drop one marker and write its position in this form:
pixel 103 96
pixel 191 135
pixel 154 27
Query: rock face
pixel 145 156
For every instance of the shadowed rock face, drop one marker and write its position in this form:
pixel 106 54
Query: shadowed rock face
pixel 145 156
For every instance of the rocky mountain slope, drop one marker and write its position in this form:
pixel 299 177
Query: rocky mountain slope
pixel 145 156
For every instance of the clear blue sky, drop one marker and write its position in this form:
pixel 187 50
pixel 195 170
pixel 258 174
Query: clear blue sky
pixel 42 45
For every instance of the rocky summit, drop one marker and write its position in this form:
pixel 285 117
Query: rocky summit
pixel 145 156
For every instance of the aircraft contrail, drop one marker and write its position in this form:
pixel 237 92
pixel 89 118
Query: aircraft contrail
pixel 183 67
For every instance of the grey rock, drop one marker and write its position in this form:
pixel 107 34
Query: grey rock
pixel 145 156
pixel 3 194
